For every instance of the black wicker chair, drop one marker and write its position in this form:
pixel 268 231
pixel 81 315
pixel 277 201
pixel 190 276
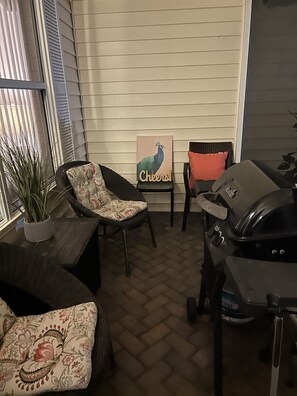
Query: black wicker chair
pixel 31 284
pixel 119 187
pixel 205 185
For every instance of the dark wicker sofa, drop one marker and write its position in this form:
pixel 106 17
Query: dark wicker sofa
pixel 31 284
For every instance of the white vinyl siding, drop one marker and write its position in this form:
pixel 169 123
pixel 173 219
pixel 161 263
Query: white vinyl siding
pixel 153 67
pixel 71 77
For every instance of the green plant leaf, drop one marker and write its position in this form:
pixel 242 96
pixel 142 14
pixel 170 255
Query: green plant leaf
pixel 289 158
pixel 28 172
pixel 290 175
pixel 284 166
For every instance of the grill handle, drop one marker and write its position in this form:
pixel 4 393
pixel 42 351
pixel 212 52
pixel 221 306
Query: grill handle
pixel 206 201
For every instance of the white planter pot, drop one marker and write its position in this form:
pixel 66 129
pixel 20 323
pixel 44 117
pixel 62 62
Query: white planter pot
pixel 38 232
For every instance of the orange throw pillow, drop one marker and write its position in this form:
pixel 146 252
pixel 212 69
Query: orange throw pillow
pixel 206 166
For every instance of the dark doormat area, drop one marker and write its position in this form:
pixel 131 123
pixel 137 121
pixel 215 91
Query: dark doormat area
pixel 157 352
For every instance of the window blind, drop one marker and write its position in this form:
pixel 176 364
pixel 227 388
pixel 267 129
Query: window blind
pixel 57 69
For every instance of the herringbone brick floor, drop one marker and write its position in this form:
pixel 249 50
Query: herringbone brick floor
pixel 157 352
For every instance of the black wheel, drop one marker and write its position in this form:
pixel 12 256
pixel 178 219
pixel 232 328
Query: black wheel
pixel 191 310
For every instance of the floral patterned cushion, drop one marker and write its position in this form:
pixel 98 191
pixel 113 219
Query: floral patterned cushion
pixel 90 190
pixel 88 185
pixel 119 210
pixel 49 352
pixel 7 318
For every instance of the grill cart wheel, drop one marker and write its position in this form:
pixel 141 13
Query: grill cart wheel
pixel 191 310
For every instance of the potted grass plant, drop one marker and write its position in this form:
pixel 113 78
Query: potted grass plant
pixel 28 176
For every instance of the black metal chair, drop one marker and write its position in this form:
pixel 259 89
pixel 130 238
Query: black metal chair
pixel 117 185
pixel 166 186
pixel 31 284
pixel 204 185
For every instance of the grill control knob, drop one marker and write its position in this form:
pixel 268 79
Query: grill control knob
pixel 214 230
pixel 217 239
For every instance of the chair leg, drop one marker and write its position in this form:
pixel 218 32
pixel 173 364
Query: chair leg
pixel 186 211
pixel 172 207
pixel 151 230
pixel 112 361
pixel 128 272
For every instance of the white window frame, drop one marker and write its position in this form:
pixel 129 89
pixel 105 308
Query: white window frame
pixel 49 100
pixel 48 90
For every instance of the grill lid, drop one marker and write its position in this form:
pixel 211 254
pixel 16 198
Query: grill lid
pixel 258 199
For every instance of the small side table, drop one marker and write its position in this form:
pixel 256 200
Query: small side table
pixel 74 246
pixel 260 287
pixel 159 187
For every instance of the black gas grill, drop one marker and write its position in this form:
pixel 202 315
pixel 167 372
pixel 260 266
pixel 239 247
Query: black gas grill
pixel 250 213
pixel 255 209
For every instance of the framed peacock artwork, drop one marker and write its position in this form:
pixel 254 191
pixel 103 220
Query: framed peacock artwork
pixel 154 158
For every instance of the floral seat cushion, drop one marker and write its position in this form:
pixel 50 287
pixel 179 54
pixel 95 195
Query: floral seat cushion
pixel 119 210
pixel 49 352
pixel 90 190
pixel 7 318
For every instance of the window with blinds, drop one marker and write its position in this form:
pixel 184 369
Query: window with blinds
pixel 26 86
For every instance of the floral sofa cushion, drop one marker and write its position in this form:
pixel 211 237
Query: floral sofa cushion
pixel 7 318
pixel 49 352
pixel 90 190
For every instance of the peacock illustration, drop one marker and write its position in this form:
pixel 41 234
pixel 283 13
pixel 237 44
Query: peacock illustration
pixel 152 163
